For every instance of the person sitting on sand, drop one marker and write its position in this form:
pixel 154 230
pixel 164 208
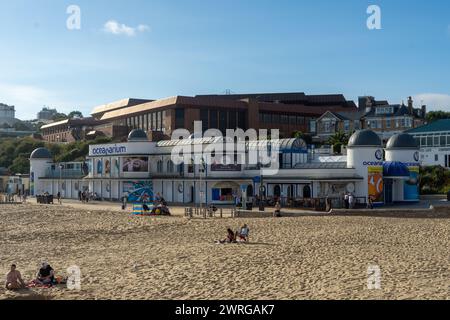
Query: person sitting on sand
pixel 277 212
pixel 231 237
pixel 14 279
pixel 244 233
pixel 45 275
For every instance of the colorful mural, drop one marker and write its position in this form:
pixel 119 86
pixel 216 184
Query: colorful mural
pixel 138 190
pixel 375 180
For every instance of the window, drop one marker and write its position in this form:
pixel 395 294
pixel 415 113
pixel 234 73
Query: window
pixel 356 125
pixel 213 119
pixel 267 118
pixel 159 121
pixel 292 120
pixel 443 141
pixel 276 118
pixel 170 166
pixel 436 141
pixel 232 119
pixel 223 117
pixel 159 166
pixel 388 123
pixel 179 118
pixel 204 118
pixel 346 125
pixel 436 157
pixel 284 119
pixel 312 126
pixel 301 120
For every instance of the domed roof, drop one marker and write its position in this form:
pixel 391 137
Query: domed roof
pixel 402 141
pixel 364 138
pixel 137 135
pixel 41 153
pixel 395 169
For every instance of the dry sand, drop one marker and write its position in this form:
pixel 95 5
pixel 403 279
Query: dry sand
pixel 125 257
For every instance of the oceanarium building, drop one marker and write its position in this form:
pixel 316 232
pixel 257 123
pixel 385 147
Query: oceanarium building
pixel 140 169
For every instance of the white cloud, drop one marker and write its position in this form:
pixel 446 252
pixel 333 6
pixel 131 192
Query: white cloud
pixel 116 28
pixel 434 101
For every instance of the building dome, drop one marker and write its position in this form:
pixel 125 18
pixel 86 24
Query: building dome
pixel 402 141
pixel 364 138
pixel 41 153
pixel 137 135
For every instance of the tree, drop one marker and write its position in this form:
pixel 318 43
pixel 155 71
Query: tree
pixel 75 114
pixel 304 136
pixel 338 140
pixel 59 117
pixel 437 115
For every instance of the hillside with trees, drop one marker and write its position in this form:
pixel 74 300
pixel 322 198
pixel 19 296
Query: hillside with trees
pixel 15 153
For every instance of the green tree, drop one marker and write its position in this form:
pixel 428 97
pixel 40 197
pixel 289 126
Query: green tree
pixel 304 136
pixel 437 115
pixel 75 114
pixel 338 140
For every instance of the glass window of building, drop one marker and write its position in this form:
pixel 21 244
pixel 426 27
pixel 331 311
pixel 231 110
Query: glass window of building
pixel 292 120
pixel 284 119
pixel 276 118
pixel 232 119
pixel 300 120
pixel 436 141
pixel 443 141
pixel 223 121
pixel 214 119
pixel 346 125
pixel 267 118
pixel 204 118
pixel 179 118
pixel 242 120
pixel 312 126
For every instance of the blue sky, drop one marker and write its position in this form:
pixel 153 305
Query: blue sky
pixel 163 48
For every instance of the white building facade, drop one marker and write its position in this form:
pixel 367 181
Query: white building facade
pixel 141 169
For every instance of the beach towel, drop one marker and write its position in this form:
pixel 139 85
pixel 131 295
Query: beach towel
pixel 34 284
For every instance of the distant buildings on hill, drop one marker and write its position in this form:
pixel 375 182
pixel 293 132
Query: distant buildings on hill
pixel 7 115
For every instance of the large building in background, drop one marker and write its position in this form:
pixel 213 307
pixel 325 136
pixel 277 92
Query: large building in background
pixel 288 112
pixel 7 115
pixel 390 119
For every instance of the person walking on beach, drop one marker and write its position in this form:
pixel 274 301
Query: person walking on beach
pixel 58 196
pixel 14 279
pixel 351 201
pixel 346 200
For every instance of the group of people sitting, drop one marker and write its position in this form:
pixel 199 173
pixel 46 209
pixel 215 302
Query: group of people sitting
pixel 44 277
pixel 239 236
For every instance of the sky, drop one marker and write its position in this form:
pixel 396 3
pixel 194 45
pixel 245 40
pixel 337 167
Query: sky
pixel 153 49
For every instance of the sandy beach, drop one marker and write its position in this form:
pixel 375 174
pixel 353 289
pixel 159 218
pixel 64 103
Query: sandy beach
pixel 127 257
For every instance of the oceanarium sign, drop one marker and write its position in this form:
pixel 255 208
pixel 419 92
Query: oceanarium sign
pixel 108 150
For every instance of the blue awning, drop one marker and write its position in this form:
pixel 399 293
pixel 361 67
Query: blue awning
pixel 395 169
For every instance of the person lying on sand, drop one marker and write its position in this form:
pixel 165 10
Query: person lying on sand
pixel 14 279
pixel 231 237
pixel 45 275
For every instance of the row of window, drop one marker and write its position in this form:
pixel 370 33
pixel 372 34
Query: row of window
pixel 433 140
pixel 390 123
pixel 153 121
pixel 266 117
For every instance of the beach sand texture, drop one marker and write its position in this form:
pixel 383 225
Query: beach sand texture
pixel 126 257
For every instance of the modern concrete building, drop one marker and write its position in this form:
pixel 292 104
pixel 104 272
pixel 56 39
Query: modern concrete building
pixel 288 112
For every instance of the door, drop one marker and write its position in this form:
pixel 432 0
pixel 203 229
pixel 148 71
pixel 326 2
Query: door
pixel 388 186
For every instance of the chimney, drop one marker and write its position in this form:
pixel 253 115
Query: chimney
pixel 424 111
pixel 410 106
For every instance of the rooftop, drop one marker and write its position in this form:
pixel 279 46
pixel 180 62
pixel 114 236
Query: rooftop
pixel 442 125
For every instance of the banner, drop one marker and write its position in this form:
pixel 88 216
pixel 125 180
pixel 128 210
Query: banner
pixel 411 186
pixel 375 180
